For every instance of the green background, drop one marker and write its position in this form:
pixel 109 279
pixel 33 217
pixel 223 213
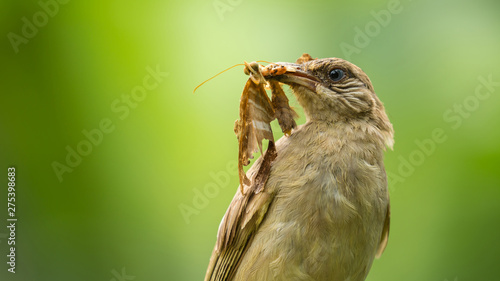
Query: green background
pixel 119 210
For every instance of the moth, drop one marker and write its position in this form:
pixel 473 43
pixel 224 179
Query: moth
pixel 256 113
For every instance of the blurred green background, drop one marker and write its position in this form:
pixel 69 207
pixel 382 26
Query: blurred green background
pixel 145 200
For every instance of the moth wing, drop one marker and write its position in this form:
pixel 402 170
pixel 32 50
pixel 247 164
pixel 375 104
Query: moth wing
pixel 284 113
pixel 260 115
pixel 304 58
pixel 256 114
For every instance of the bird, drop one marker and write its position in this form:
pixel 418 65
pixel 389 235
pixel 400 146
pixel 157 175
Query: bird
pixel 324 212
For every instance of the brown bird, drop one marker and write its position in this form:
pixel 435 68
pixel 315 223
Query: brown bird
pixel 324 211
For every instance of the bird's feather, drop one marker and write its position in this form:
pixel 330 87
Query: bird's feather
pixel 241 221
pixel 385 232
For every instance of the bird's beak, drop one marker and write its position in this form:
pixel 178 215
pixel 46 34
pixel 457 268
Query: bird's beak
pixel 295 74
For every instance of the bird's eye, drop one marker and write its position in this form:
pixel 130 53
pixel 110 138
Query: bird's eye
pixel 336 74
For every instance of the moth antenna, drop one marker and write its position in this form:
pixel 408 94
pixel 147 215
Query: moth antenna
pixel 216 76
pixel 223 72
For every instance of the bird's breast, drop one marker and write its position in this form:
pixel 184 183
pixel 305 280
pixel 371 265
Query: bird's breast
pixel 327 215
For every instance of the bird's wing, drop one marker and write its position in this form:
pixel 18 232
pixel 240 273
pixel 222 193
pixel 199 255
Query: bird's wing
pixel 241 221
pixel 385 232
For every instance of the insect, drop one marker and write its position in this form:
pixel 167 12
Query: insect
pixel 256 113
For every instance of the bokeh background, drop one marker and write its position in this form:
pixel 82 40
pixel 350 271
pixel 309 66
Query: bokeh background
pixel 146 199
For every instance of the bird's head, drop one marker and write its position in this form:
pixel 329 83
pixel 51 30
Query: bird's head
pixel 335 90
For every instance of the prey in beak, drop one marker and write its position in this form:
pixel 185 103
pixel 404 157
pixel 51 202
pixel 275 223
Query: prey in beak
pixel 292 73
pixel 257 112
